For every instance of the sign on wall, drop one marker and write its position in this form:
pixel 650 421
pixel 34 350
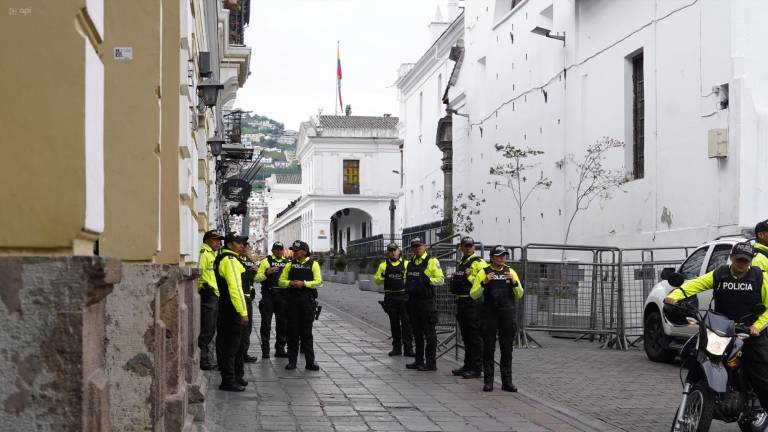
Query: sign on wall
pixel 236 190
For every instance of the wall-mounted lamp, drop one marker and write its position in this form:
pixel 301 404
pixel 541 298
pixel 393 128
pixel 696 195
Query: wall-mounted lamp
pixel 216 143
pixel 209 91
pixel 454 112
pixel 541 31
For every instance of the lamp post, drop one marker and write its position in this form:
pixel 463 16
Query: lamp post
pixel 392 208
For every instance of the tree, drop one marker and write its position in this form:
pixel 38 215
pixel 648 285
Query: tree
pixel 593 179
pixel 512 174
pixel 463 211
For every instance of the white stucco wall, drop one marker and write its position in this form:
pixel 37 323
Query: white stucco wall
pixel 687 51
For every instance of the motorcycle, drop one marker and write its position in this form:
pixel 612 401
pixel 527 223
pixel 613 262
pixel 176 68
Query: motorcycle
pixel 716 386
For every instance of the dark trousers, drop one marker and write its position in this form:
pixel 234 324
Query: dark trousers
pixel 300 314
pixel 468 319
pixel 423 321
pixel 229 346
pixel 272 303
pixel 756 363
pixel 209 305
pixel 399 323
pixel 501 323
pixel 249 328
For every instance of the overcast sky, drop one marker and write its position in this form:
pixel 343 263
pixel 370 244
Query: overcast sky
pixel 293 59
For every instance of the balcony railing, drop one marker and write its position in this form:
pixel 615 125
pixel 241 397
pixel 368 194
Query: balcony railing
pixel 239 13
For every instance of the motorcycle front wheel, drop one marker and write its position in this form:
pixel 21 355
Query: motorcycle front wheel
pixel 760 424
pixel 697 412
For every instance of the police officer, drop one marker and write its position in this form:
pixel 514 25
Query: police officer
pixel 761 246
pixel 250 294
pixel 421 277
pixel 391 274
pixel 498 285
pixel 467 309
pixel 301 278
pixel 233 314
pixel 738 289
pixel 209 297
pixel 272 301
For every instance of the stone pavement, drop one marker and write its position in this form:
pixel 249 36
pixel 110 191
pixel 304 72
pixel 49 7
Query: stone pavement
pixel 622 389
pixel 360 388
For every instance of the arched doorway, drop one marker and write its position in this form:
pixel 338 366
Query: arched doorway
pixel 349 224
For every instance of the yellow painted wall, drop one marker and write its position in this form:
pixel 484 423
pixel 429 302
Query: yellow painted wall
pixel 42 167
pixel 132 130
pixel 169 151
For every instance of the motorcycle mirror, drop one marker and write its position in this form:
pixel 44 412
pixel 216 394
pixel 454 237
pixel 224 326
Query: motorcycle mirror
pixel 676 279
pixel 665 272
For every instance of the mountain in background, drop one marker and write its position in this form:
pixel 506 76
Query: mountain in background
pixel 276 145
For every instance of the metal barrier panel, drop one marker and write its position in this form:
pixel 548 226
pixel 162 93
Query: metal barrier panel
pixel 570 298
pixel 639 278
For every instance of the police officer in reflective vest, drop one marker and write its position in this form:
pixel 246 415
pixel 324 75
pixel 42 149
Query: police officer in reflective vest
pixel 421 277
pixel 272 301
pixel 467 309
pixel 761 246
pixel 250 295
pixel 738 289
pixel 301 278
pixel 391 274
pixel 209 297
pixel 498 286
pixel 233 314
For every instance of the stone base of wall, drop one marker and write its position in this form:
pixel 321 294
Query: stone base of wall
pixel 152 355
pixel 52 334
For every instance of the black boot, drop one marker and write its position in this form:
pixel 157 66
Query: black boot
pixel 241 382
pixel 291 365
pixel 233 387
pixel 250 359
pixel 460 371
pixel 395 352
pixel 430 366
pixel 506 383
pixel 488 385
pixel 471 374
pixel 313 366
pixel 414 365
pixel 280 353
pixel 265 352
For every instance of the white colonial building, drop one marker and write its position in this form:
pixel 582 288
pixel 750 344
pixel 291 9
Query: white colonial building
pixel 350 173
pixel 683 84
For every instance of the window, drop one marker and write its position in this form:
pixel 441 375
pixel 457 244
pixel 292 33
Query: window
pixel 719 256
pixel 363 230
pixel 351 176
pixel 349 234
pixel 503 7
pixel 692 266
pixel 638 118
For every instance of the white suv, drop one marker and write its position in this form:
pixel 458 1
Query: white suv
pixel 662 339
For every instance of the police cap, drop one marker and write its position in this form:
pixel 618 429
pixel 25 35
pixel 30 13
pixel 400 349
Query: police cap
pixel 743 250
pixel 499 250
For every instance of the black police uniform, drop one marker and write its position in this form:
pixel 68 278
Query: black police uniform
pixel 273 303
pixel 300 312
pixel 229 332
pixel 468 315
pixel 736 298
pixel 499 319
pixel 395 301
pixel 422 311
pixel 250 294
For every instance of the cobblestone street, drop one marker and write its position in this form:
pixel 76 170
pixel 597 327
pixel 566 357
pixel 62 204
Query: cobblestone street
pixel 360 388
pixel 619 389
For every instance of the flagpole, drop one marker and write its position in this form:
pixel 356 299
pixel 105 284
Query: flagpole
pixel 338 85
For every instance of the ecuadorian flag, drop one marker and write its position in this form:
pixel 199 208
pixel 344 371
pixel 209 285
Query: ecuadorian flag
pixel 338 75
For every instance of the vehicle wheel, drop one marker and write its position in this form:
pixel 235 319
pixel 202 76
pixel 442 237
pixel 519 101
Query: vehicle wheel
pixel 698 410
pixel 655 342
pixel 760 424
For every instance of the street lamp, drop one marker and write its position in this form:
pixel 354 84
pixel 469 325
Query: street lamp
pixel 216 143
pixel 209 91
pixel 541 31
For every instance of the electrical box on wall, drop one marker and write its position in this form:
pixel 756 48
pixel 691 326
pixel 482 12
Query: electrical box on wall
pixel 718 143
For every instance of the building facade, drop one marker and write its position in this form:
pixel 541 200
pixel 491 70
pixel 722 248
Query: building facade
pixel 119 180
pixel 680 84
pixel 350 172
